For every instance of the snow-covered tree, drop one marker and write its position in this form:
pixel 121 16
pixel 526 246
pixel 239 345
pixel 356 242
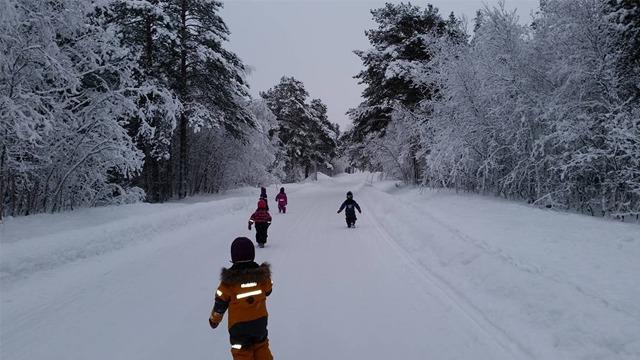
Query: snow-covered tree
pixel 625 15
pixel 540 113
pixel 66 90
pixel 398 52
pixel 143 28
pixel 395 79
pixel 325 136
pixel 221 160
pixel 182 43
pixel 307 136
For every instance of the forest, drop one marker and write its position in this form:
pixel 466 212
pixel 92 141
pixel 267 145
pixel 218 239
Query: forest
pixel 118 101
pixel 546 112
pixel 110 102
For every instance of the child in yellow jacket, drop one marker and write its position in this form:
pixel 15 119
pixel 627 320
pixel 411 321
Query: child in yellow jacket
pixel 243 290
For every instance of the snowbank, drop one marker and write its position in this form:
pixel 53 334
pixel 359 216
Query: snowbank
pixel 565 285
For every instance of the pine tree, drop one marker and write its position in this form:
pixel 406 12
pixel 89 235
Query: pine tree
pixel 182 42
pixel 398 47
pixel 395 76
pixel 326 133
pixel 287 101
pixel 142 28
pixel 303 128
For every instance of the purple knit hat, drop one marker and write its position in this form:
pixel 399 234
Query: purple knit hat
pixel 242 249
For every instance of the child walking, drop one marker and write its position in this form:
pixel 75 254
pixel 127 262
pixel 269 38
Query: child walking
pixel 243 290
pixel 263 196
pixel 281 199
pixel 262 219
pixel 350 207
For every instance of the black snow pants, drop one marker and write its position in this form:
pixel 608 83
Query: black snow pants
pixel 351 219
pixel 261 232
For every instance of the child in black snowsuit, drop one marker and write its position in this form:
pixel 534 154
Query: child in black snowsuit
pixel 350 207
pixel 263 196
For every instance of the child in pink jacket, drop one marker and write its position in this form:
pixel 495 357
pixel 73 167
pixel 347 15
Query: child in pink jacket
pixel 281 199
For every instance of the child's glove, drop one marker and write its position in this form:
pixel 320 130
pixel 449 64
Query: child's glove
pixel 338 212
pixel 214 320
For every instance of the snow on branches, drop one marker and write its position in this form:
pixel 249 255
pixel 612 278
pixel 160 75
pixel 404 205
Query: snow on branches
pixel 537 112
pixel 107 101
pixel 306 135
pixel 65 91
pixel 545 113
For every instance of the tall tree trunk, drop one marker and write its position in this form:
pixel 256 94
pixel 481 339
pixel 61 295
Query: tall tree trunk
pixel 149 43
pixel 4 179
pixel 152 179
pixel 416 170
pixel 183 157
pixel 415 161
pixel 156 181
pixel 156 184
pixel 182 167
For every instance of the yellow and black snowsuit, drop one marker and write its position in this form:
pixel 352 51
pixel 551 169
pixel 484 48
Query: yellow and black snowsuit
pixel 243 290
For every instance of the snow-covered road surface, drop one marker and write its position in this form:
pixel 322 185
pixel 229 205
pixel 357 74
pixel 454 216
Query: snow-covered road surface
pixel 423 276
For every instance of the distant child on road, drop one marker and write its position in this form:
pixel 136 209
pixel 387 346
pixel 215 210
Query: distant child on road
pixel 281 199
pixel 350 207
pixel 262 219
pixel 263 196
pixel 243 290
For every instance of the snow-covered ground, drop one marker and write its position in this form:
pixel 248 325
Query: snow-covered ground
pixel 426 274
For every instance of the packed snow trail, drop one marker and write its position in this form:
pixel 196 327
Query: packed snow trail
pixel 347 294
pixel 137 282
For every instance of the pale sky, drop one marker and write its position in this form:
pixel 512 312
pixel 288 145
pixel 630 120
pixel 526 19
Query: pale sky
pixel 313 40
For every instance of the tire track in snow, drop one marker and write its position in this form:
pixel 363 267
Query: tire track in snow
pixel 522 266
pixel 456 298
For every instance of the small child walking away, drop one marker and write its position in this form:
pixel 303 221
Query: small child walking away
pixel 243 290
pixel 281 199
pixel 349 206
pixel 263 196
pixel 262 219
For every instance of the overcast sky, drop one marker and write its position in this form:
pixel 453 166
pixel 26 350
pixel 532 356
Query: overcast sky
pixel 313 40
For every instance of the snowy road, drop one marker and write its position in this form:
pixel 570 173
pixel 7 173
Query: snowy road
pixel 416 280
pixel 351 294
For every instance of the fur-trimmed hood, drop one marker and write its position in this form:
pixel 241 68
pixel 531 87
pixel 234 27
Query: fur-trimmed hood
pixel 244 275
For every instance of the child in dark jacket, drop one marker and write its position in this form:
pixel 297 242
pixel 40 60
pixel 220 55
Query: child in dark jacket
pixel 262 219
pixel 243 290
pixel 281 199
pixel 263 196
pixel 350 207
